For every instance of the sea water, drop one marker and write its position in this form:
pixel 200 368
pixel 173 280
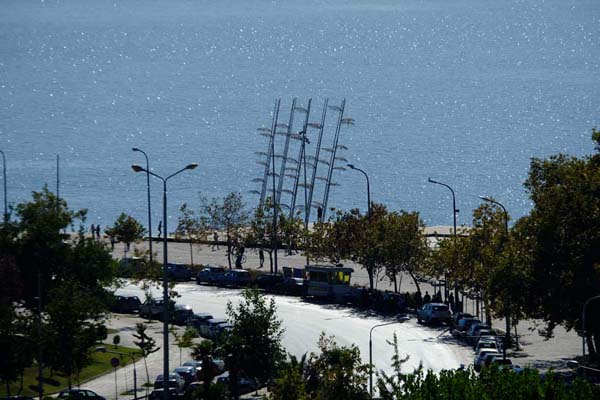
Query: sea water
pixel 465 92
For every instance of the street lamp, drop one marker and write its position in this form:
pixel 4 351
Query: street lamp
pixel 351 166
pixel 454 212
pixel 103 349
pixel 4 172
pixel 401 318
pixel 148 186
pixel 583 320
pixel 507 335
pixel 137 168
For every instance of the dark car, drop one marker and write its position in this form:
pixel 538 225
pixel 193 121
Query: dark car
pixel 291 286
pixel 158 394
pixel 179 272
pixel 175 381
pixel 130 266
pixel 154 309
pixel 245 385
pixel 79 394
pixel 267 282
pixel 209 274
pixel 187 373
pixel 198 319
pixel 126 304
pixel 235 278
pixel 182 314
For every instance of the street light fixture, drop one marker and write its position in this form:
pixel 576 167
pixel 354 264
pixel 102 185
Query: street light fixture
pixel 137 168
pixel 148 187
pixel 454 212
pixel 400 318
pixel 103 349
pixel 507 334
pixel 351 166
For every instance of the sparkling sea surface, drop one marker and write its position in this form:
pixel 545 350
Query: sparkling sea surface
pixel 463 91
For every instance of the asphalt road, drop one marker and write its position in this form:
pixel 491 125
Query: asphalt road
pixel 303 322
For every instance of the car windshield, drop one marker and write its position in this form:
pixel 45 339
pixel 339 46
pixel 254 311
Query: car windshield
pixel 440 308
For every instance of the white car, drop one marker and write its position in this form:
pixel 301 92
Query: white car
pixel 487 342
pixel 434 312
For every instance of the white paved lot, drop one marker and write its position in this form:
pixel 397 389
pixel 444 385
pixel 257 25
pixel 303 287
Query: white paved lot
pixel 303 323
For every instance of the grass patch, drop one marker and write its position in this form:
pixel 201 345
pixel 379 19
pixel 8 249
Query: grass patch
pixel 55 382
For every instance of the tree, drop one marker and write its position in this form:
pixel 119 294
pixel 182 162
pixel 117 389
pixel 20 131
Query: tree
pixel 189 226
pixel 145 343
pixel 254 345
pixel 184 340
pixel 564 239
pixel 67 276
pixel 403 245
pixel 336 373
pixel 127 229
pixel 289 385
pixel 229 215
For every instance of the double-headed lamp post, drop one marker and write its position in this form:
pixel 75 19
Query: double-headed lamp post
pixel 399 319
pixel 454 212
pixel 507 334
pixel 148 187
pixel 137 168
pixel 103 349
pixel 351 166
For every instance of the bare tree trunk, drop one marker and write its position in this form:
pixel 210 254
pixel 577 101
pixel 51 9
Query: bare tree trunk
pixel 414 278
pixel 395 284
pixel 590 345
pixel 148 375
pixel 228 247
pixel 271 260
pixel 191 253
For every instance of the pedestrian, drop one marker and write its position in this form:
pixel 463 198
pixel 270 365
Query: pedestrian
pixel 426 298
pixel 112 243
pixel 98 232
pixel 215 241
pixel 238 259
pixel 319 214
pixel 159 229
pixel 261 257
pixel 93 230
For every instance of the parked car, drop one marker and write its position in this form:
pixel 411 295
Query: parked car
pixel 490 333
pixel 198 319
pixel 187 373
pixel 291 287
pixel 460 315
pixel 504 362
pixel 465 323
pixel 208 329
pixel 79 394
pixel 130 266
pixel 221 329
pixel 182 314
pixel 153 308
pixel 267 282
pixel 179 272
pixel 158 394
pixel 245 384
pixel 434 312
pixel 480 357
pixel 235 278
pixel 486 342
pixel 125 304
pixel 175 381
pixel 209 274
pixel 474 330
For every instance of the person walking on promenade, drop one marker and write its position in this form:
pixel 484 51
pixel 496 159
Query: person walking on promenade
pixel 93 230
pixel 427 297
pixel 215 241
pixel 159 229
pixel 97 232
pixel 238 259
pixel 261 257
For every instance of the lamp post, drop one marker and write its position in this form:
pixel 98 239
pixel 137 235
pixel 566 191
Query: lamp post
pixel 454 212
pixel 583 320
pixel 148 186
pixel 401 318
pixel 103 349
pixel 351 166
pixel 4 173
pixel 507 334
pixel 137 168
